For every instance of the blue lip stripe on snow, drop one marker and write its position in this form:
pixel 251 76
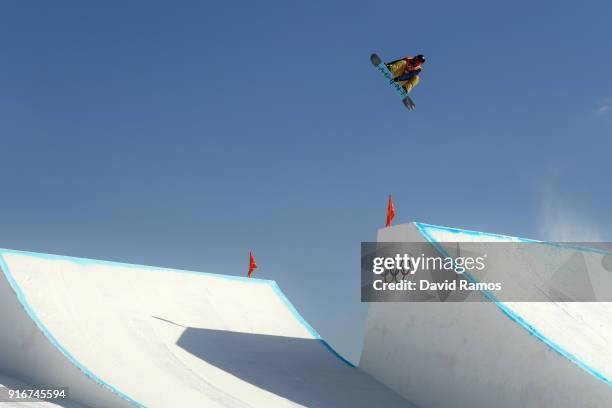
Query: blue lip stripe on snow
pixel 22 300
pixel 88 261
pixel 559 245
pixel 304 323
pixel 505 309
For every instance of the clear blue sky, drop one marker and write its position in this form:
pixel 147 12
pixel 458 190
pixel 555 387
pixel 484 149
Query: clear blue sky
pixel 184 134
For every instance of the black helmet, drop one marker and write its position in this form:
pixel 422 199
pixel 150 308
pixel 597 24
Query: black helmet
pixel 420 57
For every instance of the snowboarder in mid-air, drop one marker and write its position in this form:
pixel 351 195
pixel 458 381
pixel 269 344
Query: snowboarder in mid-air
pixel 406 71
pixel 402 74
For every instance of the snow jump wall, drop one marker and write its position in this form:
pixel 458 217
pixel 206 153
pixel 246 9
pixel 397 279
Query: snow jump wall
pixel 121 335
pixel 30 352
pixel 126 335
pixel 99 328
pixel 485 354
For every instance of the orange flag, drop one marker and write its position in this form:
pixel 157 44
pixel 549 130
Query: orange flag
pixel 252 264
pixel 390 211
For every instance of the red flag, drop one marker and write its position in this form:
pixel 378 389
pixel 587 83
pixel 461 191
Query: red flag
pixel 252 264
pixel 390 211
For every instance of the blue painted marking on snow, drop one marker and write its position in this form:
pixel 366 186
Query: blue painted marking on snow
pixel 307 326
pixel 558 245
pixel 423 229
pixel 22 300
pixel 87 261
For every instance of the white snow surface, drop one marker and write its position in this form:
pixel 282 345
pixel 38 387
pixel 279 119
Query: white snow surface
pixel 122 335
pixel 485 354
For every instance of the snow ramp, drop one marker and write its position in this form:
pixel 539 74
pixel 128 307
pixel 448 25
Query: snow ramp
pixel 493 353
pixel 120 335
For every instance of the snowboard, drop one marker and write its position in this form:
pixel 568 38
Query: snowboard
pixel 382 68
